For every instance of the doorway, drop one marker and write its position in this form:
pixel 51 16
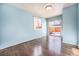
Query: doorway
pixel 55 35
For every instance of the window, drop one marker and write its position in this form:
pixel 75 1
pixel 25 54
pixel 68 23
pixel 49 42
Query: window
pixel 37 23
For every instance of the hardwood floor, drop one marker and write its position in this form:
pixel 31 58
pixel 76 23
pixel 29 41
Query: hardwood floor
pixel 40 47
pixel 70 50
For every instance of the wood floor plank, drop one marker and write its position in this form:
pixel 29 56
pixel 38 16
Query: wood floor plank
pixel 39 47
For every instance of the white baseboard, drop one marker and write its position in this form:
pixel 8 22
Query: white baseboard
pixel 13 44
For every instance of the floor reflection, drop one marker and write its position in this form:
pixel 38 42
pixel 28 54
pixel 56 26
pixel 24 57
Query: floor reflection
pixel 75 51
pixel 37 50
pixel 54 44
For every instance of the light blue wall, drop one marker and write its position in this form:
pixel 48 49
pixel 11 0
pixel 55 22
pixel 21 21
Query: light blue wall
pixel 17 26
pixel 70 25
pixel 54 18
pixel 78 24
pixel 0 22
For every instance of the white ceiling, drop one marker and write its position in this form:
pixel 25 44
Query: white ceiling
pixel 38 9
